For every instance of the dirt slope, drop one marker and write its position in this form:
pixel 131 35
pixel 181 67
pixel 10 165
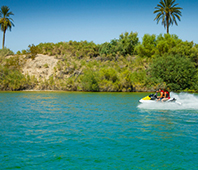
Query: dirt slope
pixel 41 67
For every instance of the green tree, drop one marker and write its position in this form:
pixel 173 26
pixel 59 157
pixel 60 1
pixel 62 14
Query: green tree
pixel 5 21
pixel 178 72
pixel 124 45
pixel 128 42
pixel 166 43
pixel 148 46
pixel 167 11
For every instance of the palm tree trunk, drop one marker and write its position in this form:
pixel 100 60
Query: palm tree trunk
pixel 167 29
pixel 167 25
pixel 3 39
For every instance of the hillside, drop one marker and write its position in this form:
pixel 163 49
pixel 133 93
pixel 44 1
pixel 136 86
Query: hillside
pixel 123 65
pixel 45 72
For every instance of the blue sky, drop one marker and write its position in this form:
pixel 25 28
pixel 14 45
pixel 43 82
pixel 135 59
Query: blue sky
pixel 99 21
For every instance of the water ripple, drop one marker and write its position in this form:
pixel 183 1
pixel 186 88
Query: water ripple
pixel 59 130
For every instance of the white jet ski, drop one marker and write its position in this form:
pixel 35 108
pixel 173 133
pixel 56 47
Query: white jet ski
pixel 153 98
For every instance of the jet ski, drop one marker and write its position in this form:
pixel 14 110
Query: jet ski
pixel 153 98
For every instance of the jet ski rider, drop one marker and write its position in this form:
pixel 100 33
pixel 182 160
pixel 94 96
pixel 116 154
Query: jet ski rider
pixel 166 95
pixel 161 94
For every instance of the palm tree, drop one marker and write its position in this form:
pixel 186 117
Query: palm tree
pixel 5 21
pixel 167 12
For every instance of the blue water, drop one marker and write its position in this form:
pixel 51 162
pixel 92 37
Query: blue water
pixel 62 130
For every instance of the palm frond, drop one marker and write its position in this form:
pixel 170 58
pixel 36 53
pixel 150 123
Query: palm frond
pixel 158 17
pixel 162 3
pixel 9 13
pixel 174 5
pixel 172 2
pixel 175 21
pixel 157 11
pixel 5 21
pixel 178 17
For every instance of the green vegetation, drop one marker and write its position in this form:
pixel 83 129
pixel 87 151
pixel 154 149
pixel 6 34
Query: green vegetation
pixel 168 13
pixel 5 21
pixel 122 65
pixel 11 77
pixel 46 65
pixel 5 52
pixel 124 45
pixel 178 71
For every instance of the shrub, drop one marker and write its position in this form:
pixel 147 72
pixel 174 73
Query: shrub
pixel 5 52
pixel 127 43
pixel 108 74
pixel 148 46
pixel 33 50
pixel 18 53
pixel 124 45
pixel 14 63
pixel 89 81
pixel 178 72
pixel 126 80
pixel 11 79
pixel 24 52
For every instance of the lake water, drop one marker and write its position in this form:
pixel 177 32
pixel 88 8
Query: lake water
pixel 63 130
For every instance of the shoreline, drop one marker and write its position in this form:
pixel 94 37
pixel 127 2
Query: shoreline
pixel 94 92
pixel 77 91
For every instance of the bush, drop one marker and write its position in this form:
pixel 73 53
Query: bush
pixel 18 53
pixel 178 72
pixel 126 80
pixel 11 79
pixel 5 52
pixel 23 52
pixel 148 46
pixel 14 62
pixel 108 74
pixel 124 45
pixel 89 81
